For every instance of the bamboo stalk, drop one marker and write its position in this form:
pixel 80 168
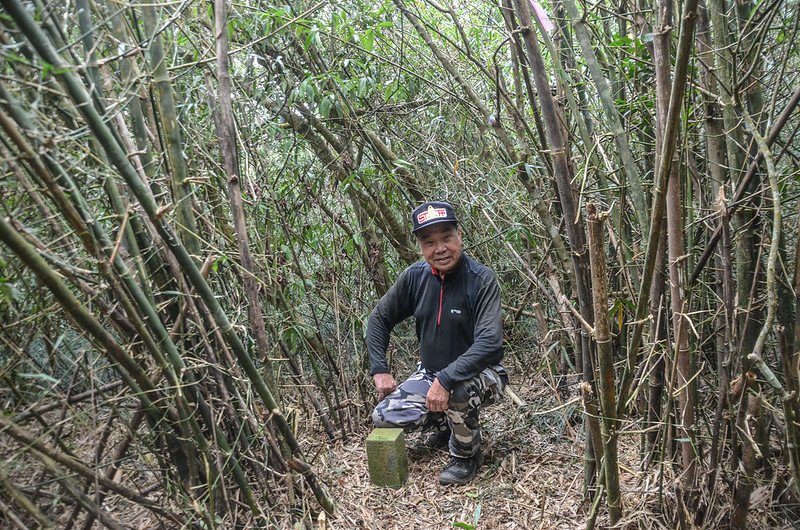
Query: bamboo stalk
pixel 397 235
pixel 130 370
pixel 724 362
pixel 612 115
pixel 119 159
pixel 187 424
pixel 23 500
pixel 71 400
pixel 114 471
pixel 130 77
pixel 717 164
pixel 591 429
pixel 226 132
pixel 789 401
pixel 448 66
pixel 37 168
pixel 165 99
pixel 745 481
pixel 676 267
pixel 605 361
pixel 33 192
pixel 73 490
pixel 507 11
pixel 16 110
pixel 777 216
pixel 660 335
pixel 563 177
pixel 743 188
pixel 662 176
pixel 12 516
pixel 110 184
pixel 81 469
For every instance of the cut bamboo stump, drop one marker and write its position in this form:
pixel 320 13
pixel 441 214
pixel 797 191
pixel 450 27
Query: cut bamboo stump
pixel 386 454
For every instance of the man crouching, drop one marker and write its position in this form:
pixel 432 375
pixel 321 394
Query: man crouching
pixel 456 303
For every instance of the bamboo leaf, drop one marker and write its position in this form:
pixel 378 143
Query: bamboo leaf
pixel 368 40
pixel 39 376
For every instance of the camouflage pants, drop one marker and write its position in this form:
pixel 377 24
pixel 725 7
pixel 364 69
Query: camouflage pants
pixel 405 407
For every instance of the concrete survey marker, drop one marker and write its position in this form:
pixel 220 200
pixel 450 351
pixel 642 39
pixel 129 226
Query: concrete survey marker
pixel 386 454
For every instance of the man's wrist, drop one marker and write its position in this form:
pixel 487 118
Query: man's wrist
pixel 442 382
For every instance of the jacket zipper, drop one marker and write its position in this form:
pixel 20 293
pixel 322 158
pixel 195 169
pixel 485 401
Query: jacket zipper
pixel 441 299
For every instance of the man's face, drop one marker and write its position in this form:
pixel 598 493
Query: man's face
pixel 441 246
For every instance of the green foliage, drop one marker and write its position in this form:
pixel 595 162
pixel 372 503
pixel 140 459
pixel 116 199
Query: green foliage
pixel 219 262
pixel 619 308
pixel 476 516
pixel 368 40
pixel 48 69
pixel 12 58
pixel 326 208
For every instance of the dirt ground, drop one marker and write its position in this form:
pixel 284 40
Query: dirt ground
pixel 531 478
pixel 526 481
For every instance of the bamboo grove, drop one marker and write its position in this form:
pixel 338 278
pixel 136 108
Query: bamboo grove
pixel 201 203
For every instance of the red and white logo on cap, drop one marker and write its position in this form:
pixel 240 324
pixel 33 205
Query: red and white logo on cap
pixel 431 214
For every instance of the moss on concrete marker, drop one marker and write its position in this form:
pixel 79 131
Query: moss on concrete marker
pixel 386 453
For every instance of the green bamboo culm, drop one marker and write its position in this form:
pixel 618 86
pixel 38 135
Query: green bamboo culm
pixel 632 177
pixel 172 364
pixel 118 158
pixel 171 132
pixel 131 372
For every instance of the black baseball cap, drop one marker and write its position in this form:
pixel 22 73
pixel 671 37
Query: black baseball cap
pixel 432 213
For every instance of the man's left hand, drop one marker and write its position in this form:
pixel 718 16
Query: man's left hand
pixel 438 397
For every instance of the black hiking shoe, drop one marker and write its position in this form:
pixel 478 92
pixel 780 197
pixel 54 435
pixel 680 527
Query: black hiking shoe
pixel 437 440
pixel 460 470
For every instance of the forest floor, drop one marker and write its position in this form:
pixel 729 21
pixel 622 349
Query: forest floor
pixel 531 478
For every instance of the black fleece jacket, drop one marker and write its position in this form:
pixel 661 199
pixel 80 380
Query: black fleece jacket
pixel 458 319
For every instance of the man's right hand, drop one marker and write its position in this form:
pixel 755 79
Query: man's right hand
pixel 384 384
